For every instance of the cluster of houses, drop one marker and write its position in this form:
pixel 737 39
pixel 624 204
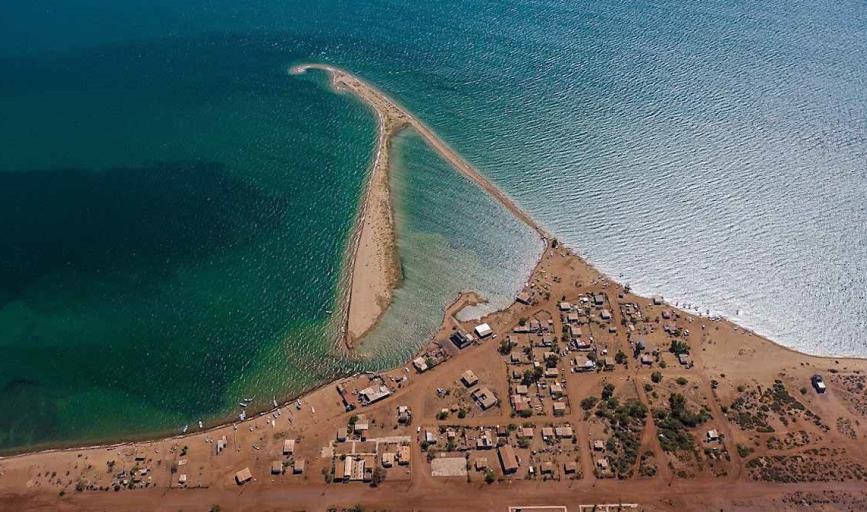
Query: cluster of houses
pixel 286 463
pixel 357 458
pixel 514 445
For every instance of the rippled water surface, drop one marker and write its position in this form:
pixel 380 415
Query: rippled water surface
pixel 174 208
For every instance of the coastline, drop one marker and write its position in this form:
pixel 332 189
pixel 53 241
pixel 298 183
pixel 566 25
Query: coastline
pixel 400 118
pixel 725 357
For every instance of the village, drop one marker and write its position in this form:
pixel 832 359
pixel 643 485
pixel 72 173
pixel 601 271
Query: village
pixel 578 385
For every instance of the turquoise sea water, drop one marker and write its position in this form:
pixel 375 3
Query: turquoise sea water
pixel 174 207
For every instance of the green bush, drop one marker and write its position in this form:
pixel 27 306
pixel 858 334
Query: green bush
pixel 589 402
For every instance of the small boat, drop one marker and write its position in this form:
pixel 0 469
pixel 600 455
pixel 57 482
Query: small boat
pixel 185 428
pixel 242 404
pixel 248 399
pixel 327 311
pixel 312 409
pixel 200 424
pixel 274 401
pixel 243 415
pixel 298 404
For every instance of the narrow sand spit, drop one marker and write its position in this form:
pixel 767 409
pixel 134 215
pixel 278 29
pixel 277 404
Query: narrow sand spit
pixel 374 265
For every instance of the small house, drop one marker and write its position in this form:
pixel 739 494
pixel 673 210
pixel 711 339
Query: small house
pixel 388 459
pixel 243 476
pixel 288 446
pixel 485 398
pixel 712 436
pixel 403 455
pixel 277 467
pixel 483 330
pixel 818 383
pixel 469 378
pixel 374 394
pixel 460 339
pixel 420 364
pixel 508 459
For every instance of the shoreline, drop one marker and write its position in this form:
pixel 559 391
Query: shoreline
pixel 465 168
pixel 720 352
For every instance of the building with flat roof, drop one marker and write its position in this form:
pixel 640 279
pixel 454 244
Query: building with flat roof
pixel 373 394
pixel 485 398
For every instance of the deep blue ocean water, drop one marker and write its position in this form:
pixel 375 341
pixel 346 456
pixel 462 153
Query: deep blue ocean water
pixel 174 207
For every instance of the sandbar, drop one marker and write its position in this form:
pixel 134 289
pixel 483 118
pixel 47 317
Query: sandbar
pixel 374 263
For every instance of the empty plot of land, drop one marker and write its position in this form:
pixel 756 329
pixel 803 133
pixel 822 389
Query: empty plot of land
pixel 449 466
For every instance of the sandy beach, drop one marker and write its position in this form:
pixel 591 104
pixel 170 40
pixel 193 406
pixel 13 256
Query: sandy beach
pixel 665 409
pixel 374 264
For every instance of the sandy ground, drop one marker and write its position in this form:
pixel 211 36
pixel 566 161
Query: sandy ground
pixel 783 445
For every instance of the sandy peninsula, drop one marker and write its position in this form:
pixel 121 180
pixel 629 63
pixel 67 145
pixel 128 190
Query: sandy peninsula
pixel 580 396
pixel 374 263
